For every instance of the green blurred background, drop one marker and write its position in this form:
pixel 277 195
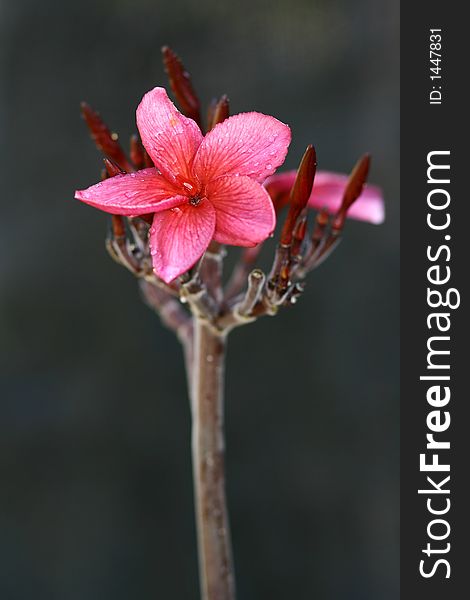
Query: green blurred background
pixel 96 499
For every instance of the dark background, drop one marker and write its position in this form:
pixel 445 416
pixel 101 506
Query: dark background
pixel 95 473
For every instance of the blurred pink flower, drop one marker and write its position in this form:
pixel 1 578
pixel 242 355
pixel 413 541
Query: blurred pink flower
pixel 202 188
pixel 327 192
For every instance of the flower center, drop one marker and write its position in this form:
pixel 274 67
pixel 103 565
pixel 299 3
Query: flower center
pixel 195 200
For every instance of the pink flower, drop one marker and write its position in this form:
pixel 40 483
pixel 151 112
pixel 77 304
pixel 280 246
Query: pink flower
pixel 327 192
pixel 202 188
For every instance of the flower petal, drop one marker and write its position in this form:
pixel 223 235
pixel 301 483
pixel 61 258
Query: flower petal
pixel 170 138
pixel 327 192
pixel 244 211
pixel 137 193
pixel 249 144
pixel 179 237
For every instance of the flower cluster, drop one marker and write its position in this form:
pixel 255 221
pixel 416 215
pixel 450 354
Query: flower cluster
pixel 183 195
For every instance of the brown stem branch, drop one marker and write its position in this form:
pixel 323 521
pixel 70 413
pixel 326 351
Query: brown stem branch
pixel 215 554
pixel 211 271
pixel 168 308
pixel 256 280
pixel 195 293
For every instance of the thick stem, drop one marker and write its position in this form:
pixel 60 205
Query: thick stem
pixel 215 553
